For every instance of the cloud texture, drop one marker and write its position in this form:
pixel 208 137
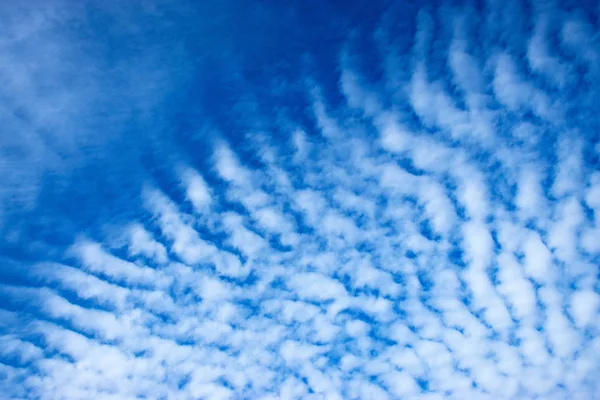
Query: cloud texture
pixel 419 219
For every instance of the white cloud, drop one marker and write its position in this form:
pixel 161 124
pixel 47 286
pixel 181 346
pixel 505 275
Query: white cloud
pixel 431 236
pixel 141 242
pixel 517 94
pixel 197 191
pixel 478 245
pixel 228 166
pixel 97 260
pixel 538 259
pixel 314 286
pixel 518 291
pixel 530 198
pixel 584 307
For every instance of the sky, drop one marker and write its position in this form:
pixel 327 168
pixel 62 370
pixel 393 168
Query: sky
pixel 299 199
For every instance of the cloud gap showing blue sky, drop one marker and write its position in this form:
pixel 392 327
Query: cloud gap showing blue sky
pixel 300 200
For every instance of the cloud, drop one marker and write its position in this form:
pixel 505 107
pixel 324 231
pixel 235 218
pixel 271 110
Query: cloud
pixel 418 223
pixel 197 191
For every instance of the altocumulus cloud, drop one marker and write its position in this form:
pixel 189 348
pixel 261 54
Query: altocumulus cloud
pixel 398 202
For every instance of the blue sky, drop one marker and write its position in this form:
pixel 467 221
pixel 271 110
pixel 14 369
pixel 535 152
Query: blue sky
pixel 299 200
